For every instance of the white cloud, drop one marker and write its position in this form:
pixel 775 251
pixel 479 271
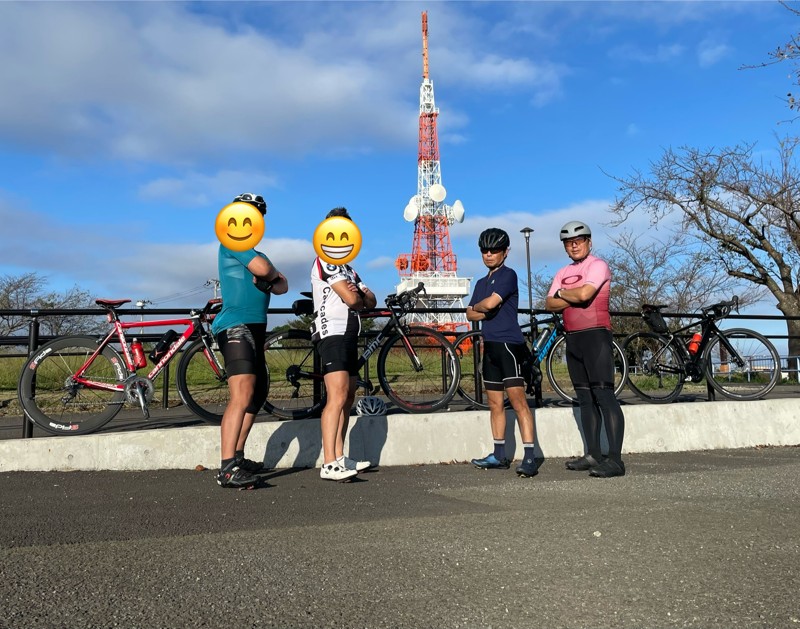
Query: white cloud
pixel 199 190
pixel 161 82
pixel 662 53
pixel 710 52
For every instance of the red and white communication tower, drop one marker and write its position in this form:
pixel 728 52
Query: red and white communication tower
pixel 432 260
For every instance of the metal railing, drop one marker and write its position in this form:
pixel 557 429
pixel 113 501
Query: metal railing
pixel 33 340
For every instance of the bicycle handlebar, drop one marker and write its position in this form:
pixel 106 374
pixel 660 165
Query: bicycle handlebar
pixel 406 300
pixel 722 309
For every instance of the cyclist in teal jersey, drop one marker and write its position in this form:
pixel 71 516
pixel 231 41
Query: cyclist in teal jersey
pixel 247 280
pixel 580 291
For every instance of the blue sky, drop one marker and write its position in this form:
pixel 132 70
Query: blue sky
pixel 126 127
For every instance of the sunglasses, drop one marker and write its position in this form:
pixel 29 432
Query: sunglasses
pixel 579 240
pixel 494 251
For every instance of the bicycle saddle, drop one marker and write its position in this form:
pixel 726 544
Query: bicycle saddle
pixel 111 303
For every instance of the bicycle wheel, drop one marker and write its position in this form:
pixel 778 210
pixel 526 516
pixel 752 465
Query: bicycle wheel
pixel 58 404
pixel 296 389
pixel 753 377
pixel 429 387
pixel 656 371
pixel 203 384
pixel 469 349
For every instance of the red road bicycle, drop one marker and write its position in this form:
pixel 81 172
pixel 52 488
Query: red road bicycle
pixel 75 385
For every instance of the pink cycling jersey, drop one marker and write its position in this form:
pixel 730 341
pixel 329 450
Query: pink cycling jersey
pixel 590 270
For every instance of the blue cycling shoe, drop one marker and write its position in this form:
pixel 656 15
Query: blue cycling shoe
pixel 491 462
pixel 528 468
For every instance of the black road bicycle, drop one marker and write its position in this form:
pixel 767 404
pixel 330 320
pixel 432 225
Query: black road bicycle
pixel 550 346
pixel 741 364
pixel 417 366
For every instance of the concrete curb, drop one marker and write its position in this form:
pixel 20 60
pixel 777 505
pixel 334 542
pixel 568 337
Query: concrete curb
pixel 415 439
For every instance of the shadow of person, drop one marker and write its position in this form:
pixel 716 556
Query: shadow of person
pixel 367 437
pixel 298 443
pixel 294 444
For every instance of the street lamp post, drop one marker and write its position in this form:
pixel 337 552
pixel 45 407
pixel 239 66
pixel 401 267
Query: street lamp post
pixel 527 231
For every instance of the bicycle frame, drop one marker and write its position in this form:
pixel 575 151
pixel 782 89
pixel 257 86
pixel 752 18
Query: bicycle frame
pixel 193 323
pixel 694 362
pixel 554 332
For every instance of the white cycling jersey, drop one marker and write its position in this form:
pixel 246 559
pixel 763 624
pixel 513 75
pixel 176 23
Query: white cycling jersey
pixel 332 316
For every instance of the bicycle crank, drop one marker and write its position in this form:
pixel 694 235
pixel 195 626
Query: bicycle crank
pixel 140 390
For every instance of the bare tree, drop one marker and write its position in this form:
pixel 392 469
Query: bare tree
pixel 790 51
pixel 27 291
pixel 667 270
pixel 741 213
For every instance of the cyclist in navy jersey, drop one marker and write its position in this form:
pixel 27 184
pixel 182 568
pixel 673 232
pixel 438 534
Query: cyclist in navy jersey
pixel 247 279
pixel 339 294
pixel 494 303
pixel 580 291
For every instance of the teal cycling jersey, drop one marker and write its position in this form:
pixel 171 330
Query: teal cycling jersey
pixel 242 302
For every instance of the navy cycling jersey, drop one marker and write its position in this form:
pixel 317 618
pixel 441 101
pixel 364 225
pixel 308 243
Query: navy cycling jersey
pixel 502 325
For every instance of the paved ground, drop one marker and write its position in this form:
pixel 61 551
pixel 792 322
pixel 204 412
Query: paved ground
pixel 707 539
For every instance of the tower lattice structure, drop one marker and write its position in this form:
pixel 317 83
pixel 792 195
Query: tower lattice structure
pixel 432 260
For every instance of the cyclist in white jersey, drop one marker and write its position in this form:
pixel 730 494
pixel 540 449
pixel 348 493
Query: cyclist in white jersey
pixel 339 294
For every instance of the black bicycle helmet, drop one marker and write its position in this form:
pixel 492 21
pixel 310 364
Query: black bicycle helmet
pixel 493 238
pixel 256 200
pixel 573 229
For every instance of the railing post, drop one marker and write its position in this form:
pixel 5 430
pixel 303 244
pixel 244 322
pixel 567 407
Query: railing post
pixel 33 345
pixel 165 386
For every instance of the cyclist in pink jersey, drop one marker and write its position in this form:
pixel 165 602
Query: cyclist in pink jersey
pixel 580 291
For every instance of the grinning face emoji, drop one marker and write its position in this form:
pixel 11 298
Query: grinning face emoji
pixel 337 240
pixel 239 226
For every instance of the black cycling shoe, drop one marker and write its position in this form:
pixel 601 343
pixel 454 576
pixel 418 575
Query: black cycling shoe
pixel 250 466
pixel 582 464
pixel 608 468
pixel 236 478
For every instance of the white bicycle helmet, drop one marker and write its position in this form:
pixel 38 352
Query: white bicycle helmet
pixel 371 405
pixel 573 229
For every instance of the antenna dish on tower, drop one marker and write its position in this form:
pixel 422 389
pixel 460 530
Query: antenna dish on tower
pixel 458 211
pixel 437 192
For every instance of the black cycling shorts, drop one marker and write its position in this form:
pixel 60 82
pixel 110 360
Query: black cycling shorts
pixel 339 353
pixel 502 365
pixel 590 358
pixel 242 348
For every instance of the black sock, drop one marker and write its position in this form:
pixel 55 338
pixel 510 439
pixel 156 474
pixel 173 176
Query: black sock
pixel 226 464
pixel 238 455
pixel 528 450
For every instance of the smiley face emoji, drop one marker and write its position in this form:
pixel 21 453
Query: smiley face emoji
pixel 337 240
pixel 239 226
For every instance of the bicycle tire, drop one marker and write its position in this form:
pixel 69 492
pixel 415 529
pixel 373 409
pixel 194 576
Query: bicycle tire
pixel 202 389
pixel 430 388
pixel 296 389
pixel 60 407
pixel 659 381
pixel 469 349
pixel 558 374
pixel 751 381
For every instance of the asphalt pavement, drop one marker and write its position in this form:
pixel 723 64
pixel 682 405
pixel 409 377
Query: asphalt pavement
pixel 702 539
